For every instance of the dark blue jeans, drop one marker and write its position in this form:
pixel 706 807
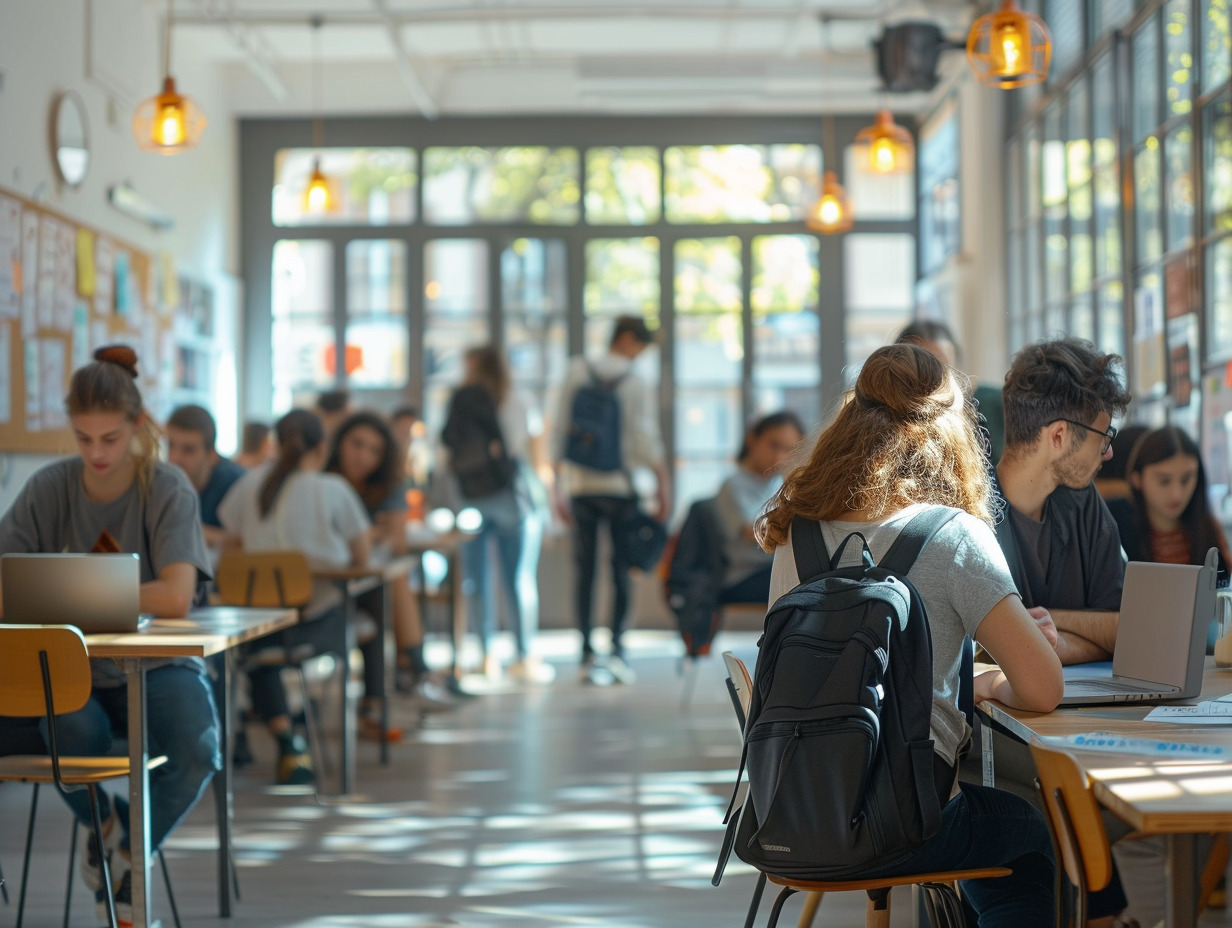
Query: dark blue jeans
pixel 588 513
pixel 983 827
pixel 181 722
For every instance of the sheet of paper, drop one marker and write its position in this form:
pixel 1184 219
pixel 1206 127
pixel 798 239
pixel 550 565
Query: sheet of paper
pixel 10 257
pixel 1145 746
pixel 1209 712
pixel 29 273
pixel 48 246
pixel 66 276
pixel 104 276
pixel 81 334
pixel 34 396
pixel 85 262
pixel 99 335
pixel 6 382
pixel 53 372
pixel 123 285
pixel 171 286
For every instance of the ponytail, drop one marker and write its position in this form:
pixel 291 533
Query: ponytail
pixel 299 433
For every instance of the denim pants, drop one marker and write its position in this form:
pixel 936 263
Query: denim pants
pixel 514 540
pixel 983 827
pixel 588 513
pixel 181 722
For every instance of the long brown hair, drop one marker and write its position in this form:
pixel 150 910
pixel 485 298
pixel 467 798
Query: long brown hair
pixel 1196 520
pixel 906 435
pixel 109 384
pixel 490 371
pixel 376 487
pixel 299 433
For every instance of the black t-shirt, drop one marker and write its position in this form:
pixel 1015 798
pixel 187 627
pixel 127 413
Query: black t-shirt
pixel 225 473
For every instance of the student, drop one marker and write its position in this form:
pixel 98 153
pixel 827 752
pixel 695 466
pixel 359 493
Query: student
pixel 906 441
pixel 115 495
pixel 191 434
pixel 937 339
pixel 365 454
pixel 290 504
pixel 512 531
pixel 256 445
pixel 588 497
pixel 743 497
pixel 1059 539
pixel 1167 518
pixel 1111 481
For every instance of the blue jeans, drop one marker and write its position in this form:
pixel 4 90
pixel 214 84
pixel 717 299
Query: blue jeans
pixel 517 540
pixel 182 723
pixel 983 827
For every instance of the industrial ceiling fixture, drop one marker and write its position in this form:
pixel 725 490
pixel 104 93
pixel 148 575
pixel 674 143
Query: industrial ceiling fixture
pixel 319 194
pixel 832 213
pixel 885 147
pixel 1009 48
pixel 168 123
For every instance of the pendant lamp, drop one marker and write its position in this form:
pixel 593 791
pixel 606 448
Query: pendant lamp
pixel 168 123
pixel 1009 48
pixel 831 213
pixel 319 196
pixel 885 147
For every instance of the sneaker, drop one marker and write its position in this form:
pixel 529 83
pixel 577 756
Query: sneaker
pixel 532 671
pixel 596 673
pixel 91 861
pixel 123 895
pixel 370 730
pixel 295 763
pixel 620 671
pixel 430 697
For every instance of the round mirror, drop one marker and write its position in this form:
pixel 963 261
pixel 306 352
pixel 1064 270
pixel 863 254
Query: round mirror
pixel 71 139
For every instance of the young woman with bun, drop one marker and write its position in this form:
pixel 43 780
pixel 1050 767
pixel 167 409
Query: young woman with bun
pixel 115 495
pixel 904 442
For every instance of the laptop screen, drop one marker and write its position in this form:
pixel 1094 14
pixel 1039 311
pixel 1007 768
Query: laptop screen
pixel 1156 623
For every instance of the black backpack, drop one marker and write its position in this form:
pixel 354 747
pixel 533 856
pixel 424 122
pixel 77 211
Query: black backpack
pixel 477 454
pixel 593 438
pixel 837 742
pixel 695 577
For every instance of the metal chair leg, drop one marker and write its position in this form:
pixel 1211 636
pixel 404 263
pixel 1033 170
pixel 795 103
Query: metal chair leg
pixel 97 816
pixel 778 906
pixel 4 888
pixel 315 747
pixel 72 862
pixel 25 861
pixel 175 912
pixel 755 902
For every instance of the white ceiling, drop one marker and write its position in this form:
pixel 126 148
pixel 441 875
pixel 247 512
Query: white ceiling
pixel 498 56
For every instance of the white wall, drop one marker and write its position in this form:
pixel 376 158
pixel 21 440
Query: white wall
pixel 49 46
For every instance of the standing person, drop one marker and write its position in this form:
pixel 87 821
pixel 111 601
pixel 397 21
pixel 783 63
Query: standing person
pixel 366 455
pixel 191 433
pixel 115 495
pixel 907 442
pixel 488 436
pixel 1059 539
pixel 256 445
pixel 608 427
pixel 742 499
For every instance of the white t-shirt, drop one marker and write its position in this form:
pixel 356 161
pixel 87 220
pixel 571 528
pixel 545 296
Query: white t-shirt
pixel 319 514
pixel 961 575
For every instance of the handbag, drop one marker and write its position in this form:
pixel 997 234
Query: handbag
pixel 644 539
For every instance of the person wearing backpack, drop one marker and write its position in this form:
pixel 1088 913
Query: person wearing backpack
pixel 607 429
pixel 904 446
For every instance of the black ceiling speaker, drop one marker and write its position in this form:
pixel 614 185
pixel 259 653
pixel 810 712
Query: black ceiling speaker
pixel 907 55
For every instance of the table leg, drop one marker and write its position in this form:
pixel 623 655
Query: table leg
pixel 138 791
pixel 1179 869
pixel 986 753
pixel 384 620
pixel 457 606
pixel 223 787
pixel 349 722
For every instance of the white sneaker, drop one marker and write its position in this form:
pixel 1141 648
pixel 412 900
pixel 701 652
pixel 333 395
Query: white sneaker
pixel 620 671
pixel 91 863
pixel 532 671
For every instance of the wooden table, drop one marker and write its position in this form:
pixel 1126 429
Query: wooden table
pixel 1178 798
pixel 203 633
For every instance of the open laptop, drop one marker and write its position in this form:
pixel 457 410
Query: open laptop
pixel 95 592
pixel 1161 638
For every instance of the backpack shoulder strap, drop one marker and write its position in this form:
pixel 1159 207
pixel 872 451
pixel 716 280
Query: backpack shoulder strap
pixel 914 536
pixel 809 548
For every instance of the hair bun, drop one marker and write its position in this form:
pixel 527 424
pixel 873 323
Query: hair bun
pixel 121 355
pixel 906 381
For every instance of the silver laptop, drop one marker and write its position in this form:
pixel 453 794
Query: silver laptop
pixel 1161 638
pixel 95 592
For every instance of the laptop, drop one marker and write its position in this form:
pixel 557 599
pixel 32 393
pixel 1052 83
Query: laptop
pixel 95 592
pixel 1161 638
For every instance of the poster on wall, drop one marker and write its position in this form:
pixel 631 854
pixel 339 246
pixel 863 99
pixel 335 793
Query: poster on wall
pixel 1150 371
pixel 1183 369
pixel 1217 440
pixel 10 258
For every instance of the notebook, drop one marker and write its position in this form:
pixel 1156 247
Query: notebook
pixel 95 592
pixel 1161 638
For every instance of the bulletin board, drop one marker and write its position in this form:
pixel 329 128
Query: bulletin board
pixel 65 290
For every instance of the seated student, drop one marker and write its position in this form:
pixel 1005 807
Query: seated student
pixel 365 454
pixel 1111 482
pixel 288 504
pixel 113 497
pixel 256 445
pixel 744 495
pixel 905 441
pixel 191 434
pixel 1058 537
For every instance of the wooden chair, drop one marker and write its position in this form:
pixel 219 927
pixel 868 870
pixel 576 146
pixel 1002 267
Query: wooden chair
pixel 1078 834
pixel 45 671
pixel 940 893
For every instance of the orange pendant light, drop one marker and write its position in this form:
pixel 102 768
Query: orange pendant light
pixel 1009 48
pixel 831 213
pixel 885 146
pixel 319 195
pixel 168 123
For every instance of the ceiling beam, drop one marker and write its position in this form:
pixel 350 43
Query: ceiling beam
pixel 254 52
pixel 406 66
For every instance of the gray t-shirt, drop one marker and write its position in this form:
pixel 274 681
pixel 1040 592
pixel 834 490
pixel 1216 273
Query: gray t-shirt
pixel 961 575
pixel 53 515
pixel 742 498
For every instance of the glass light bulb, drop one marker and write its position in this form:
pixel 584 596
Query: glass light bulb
pixel 318 196
pixel 1007 51
pixel 883 155
pixel 169 126
pixel 830 211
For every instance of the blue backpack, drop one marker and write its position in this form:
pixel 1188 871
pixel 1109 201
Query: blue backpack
pixel 593 440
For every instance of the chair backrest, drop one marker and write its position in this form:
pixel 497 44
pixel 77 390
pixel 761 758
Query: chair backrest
pixel 264 579
pixel 1074 817
pixel 21 676
pixel 738 673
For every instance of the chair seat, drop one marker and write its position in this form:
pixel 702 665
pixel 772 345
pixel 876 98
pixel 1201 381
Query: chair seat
pixel 36 768
pixel 910 879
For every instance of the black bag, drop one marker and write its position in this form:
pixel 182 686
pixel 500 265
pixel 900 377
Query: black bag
pixel 695 580
pixel 477 454
pixel 593 436
pixel 642 538
pixel 837 743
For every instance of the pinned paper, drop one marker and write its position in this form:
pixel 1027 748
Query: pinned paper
pixel 123 285
pixel 29 273
pixel 34 397
pixel 81 334
pixel 54 374
pixel 66 277
pixel 104 276
pixel 171 287
pixel 10 257
pixel 6 383
pixel 48 243
pixel 85 262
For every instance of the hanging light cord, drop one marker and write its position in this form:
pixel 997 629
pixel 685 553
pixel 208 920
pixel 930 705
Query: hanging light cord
pixel 318 130
pixel 167 39
pixel 827 142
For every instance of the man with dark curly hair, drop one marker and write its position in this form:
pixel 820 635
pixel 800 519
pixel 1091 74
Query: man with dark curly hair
pixel 1061 542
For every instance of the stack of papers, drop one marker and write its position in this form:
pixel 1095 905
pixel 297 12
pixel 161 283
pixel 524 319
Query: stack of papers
pixel 1208 712
pixel 1149 747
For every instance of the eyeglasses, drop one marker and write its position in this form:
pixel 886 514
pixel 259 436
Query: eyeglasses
pixel 1108 435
